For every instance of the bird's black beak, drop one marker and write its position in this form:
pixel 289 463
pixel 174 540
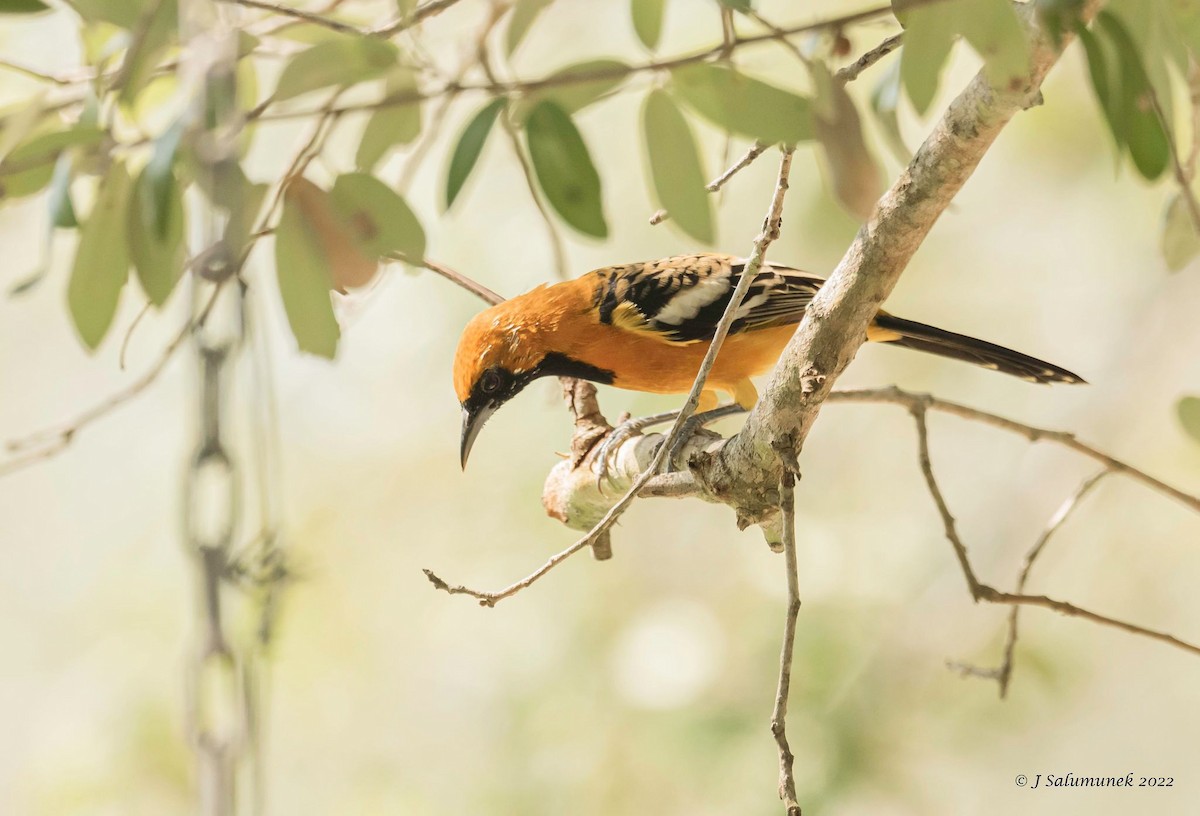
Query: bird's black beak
pixel 473 420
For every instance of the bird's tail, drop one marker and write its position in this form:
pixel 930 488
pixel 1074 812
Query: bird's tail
pixel 944 343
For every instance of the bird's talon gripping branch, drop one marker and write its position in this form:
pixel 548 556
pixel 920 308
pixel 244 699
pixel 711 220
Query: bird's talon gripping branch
pixel 626 429
pixel 696 423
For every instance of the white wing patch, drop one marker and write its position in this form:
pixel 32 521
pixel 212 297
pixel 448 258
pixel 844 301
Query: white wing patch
pixel 687 303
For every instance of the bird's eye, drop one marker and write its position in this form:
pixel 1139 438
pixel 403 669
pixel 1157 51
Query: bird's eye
pixel 490 381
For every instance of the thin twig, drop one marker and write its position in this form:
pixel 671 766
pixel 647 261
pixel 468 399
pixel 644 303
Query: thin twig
pixel 578 77
pixel 787 781
pixel 421 12
pixel 769 233
pixel 910 400
pixel 1056 522
pixel 744 161
pixel 851 71
pixel 756 150
pixel 472 286
pixel 42 76
pixel 960 549
pixel 129 333
pixel 46 443
pixel 302 15
pixel 983 592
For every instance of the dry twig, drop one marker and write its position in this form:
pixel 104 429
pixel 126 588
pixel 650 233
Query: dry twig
pixel 787 780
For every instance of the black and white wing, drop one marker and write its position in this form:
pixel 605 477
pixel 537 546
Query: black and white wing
pixel 681 299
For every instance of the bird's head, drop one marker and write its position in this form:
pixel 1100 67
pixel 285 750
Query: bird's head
pixel 498 354
pixel 505 348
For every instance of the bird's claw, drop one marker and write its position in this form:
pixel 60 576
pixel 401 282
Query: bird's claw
pixel 622 433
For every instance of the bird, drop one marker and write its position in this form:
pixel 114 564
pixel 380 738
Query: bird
pixel 646 327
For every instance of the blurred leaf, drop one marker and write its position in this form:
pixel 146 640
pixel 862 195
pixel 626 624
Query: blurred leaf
pixel 1132 102
pixel 1147 24
pixel 304 281
pixel 155 27
pixel 159 176
pixel 928 37
pixel 1103 68
pixel 648 20
pixel 470 145
pixel 1189 416
pixel 1058 17
pixel 995 32
pixel 857 181
pixel 576 95
pixel 742 105
pixel 885 101
pixel 675 167
pixel 345 262
pixel 391 126
pixel 28 168
pixel 16 125
pixel 339 62
pixel 121 13
pixel 745 6
pixel 564 169
pixel 1180 241
pixel 22 6
pixel 523 15
pixel 101 260
pixel 155 232
pixel 62 210
pixel 378 219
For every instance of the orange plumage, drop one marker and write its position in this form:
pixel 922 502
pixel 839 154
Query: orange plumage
pixel 647 326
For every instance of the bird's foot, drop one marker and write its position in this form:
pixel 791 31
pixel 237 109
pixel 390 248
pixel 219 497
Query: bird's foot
pixel 695 423
pixel 625 430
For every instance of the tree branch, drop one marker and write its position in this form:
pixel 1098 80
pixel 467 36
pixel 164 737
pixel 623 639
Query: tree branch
pixel 835 324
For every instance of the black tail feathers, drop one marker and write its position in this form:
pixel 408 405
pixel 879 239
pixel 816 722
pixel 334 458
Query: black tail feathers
pixel 944 343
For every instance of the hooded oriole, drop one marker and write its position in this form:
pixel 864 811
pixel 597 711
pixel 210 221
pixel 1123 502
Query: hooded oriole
pixel 646 327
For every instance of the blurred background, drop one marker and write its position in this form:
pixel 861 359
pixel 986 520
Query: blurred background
pixel 643 684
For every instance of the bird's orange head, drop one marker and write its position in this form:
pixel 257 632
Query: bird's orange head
pixel 508 346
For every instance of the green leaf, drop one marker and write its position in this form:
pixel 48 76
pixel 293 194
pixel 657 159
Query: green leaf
pixel 377 218
pixel 29 167
pixel 62 210
pixel 745 106
pixel 121 13
pixel 101 260
pixel 564 169
pixel 391 126
pixel 928 37
pixel 1180 241
pixel 156 26
pixel 744 6
pixel 304 284
pixel 885 101
pixel 648 20
pixel 995 32
pixel 524 13
pixel 1132 101
pixel 1103 68
pixel 339 62
pixel 675 167
pixel 571 97
pixel 22 6
pixel 159 176
pixel 155 233
pixel 1189 416
pixel 470 145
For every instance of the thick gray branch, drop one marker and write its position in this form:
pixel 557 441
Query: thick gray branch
pixel 835 325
